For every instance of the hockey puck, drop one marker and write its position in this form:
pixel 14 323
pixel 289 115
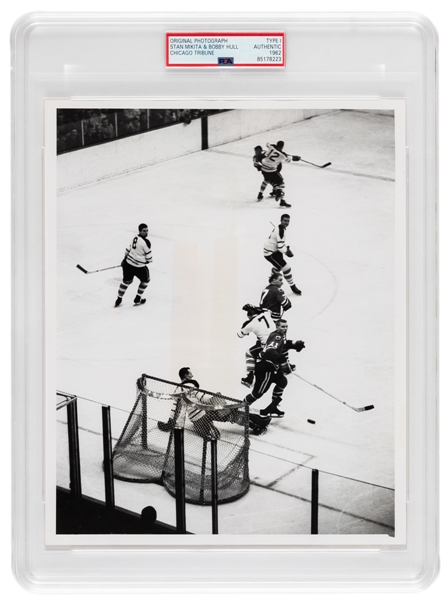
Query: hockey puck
pixel 311 421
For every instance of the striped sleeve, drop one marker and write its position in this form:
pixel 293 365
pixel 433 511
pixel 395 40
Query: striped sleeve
pixel 285 302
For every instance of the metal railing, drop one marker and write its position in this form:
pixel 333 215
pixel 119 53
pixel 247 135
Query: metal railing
pixel 356 499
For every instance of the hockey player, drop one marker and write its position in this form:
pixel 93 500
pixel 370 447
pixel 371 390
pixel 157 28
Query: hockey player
pixel 137 256
pixel 271 166
pixel 257 163
pixel 273 298
pixel 275 248
pixel 187 380
pixel 200 413
pixel 272 367
pixel 260 323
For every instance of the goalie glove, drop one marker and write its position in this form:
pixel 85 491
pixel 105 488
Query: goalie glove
pixel 289 252
pixel 296 158
pixel 298 346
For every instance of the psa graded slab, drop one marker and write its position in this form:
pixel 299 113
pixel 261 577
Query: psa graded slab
pixel 225 306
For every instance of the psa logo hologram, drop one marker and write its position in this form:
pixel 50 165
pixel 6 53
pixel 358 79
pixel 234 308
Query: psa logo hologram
pixel 226 61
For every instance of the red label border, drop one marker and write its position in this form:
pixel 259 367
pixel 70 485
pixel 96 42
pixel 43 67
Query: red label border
pixel 225 34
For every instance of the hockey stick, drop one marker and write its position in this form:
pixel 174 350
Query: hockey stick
pixel 360 409
pixel 97 270
pixel 314 165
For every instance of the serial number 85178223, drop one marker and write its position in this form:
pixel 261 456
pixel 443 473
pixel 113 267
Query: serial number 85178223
pixel 268 59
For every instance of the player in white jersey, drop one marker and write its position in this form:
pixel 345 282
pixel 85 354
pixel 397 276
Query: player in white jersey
pixel 137 257
pixel 187 380
pixel 275 248
pixel 271 166
pixel 259 323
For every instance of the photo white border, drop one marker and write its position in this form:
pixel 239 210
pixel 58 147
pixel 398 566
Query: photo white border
pixel 400 323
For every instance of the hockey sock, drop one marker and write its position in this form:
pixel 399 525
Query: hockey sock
pixel 276 399
pixel 249 399
pixel 263 187
pixel 250 363
pixel 288 275
pixel 142 287
pixel 122 289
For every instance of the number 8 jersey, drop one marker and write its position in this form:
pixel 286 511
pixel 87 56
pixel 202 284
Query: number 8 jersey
pixel 138 253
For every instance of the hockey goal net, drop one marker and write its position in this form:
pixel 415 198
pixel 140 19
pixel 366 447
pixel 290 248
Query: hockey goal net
pixel 145 450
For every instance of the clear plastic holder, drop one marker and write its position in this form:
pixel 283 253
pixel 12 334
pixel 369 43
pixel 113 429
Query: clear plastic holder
pixel 365 62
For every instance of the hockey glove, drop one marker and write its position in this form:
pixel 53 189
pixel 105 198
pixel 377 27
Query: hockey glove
pixel 296 158
pixel 286 368
pixel 298 346
pixel 289 252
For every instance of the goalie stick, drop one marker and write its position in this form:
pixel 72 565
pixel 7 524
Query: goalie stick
pixel 360 409
pixel 314 165
pixel 97 270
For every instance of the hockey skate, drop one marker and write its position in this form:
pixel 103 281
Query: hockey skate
pixel 284 204
pixel 260 197
pixel 118 302
pixel 247 381
pixel 272 411
pixel 295 290
pixel 138 301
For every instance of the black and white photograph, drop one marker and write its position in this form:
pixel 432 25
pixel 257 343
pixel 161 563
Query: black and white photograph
pixel 226 348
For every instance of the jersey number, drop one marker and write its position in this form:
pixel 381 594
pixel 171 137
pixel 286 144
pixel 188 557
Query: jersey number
pixel 272 156
pixel 135 243
pixel 263 318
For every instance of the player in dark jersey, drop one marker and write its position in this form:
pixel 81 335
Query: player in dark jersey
pixel 257 163
pixel 137 257
pixel 272 367
pixel 273 297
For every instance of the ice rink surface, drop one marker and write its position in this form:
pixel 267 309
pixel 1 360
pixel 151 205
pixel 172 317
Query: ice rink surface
pixel 207 232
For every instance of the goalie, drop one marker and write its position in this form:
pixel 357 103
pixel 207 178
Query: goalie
pixel 203 408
